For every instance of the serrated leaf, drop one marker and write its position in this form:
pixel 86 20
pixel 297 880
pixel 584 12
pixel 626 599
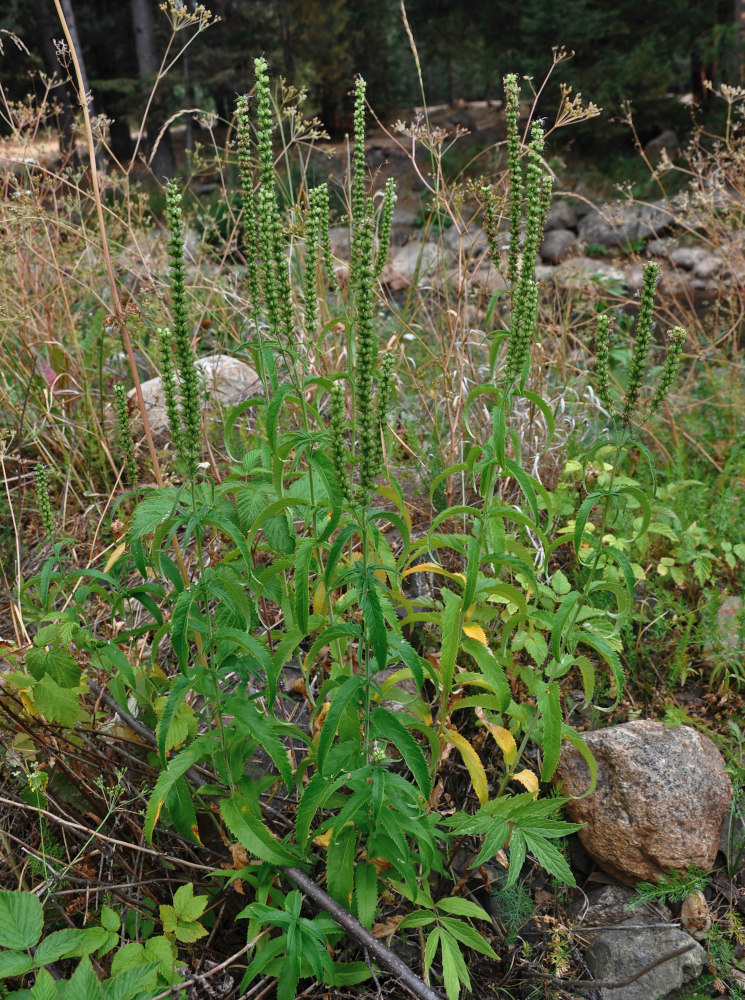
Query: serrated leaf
pixel 549 857
pixel 45 987
pixel 472 761
pixel 187 905
pixel 492 671
pixel 251 832
pixel 55 703
pixel 476 632
pixel 374 622
pixel 14 963
pixel 469 936
pixel 340 866
pixel 177 767
pixel 110 919
pixel 385 724
pixel 366 892
pixel 56 663
pixel 152 511
pixel 342 696
pixel 21 919
pixel 450 639
pixel 130 983
pixel 549 705
pixel 83 983
pixel 461 907
pixel 504 738
pixel 70 943
pixel 454 971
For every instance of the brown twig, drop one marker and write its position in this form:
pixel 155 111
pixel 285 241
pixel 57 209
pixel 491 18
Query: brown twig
pixel 612 984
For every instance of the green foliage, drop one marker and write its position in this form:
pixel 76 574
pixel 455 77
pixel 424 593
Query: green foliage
pixel 672 888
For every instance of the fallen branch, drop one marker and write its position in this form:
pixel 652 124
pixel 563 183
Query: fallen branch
pixel 610 984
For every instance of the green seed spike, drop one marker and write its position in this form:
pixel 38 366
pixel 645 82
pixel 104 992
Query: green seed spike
pixel 512 94
pixel 676 339
pixel 366 350
pixel 358 155
pixel 250 234
pixel 643 339
pixel 124 433
pixel 185 361
pixel 42 499
pixel 386 224
pixel 337 423
pixel 170 388
pixel 602 368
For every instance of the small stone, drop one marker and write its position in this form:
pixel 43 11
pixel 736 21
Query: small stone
pixel 413 261
pixel 621 951
pixel 661 797
pixel 583 272
pixel 695 916
pixel 608 906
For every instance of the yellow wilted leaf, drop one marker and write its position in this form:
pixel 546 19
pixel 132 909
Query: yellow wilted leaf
pixel 473 762
pixel 320 600
pixel 476 632
pixel 323 839
pixel 505 739
pixel 527 779
pixel 384 930
pixel 430 567
pixel 114 556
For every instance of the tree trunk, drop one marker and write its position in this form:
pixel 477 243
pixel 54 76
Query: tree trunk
pixel 739 41
pixel 148 65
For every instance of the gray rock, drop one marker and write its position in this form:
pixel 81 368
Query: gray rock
pixel 661 247
pixel 696 259
pixel 730 627
pixel 666 142
pixel 660 799
pixel 414 261
pixel 225 382
pixel 487 278
pixel 606 906
pixel 560 215
pixel 556 245
pixel 618 953
pixel 581 272
pixel 470 241
pixel 622 223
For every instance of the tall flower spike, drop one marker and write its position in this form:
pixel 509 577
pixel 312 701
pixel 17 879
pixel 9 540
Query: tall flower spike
pixel 170 388
pixel 185 362
pixel 124 433
pixel 42 499
pixel 385 389
pixel 643 339
pixel 386 224
pixel 358 154
pixel 602 367
pixel 365 358
pixel 312 225
pixel 676 340
pixel 490 224
pixel 512 94
pixel 250 235
pixel 338 449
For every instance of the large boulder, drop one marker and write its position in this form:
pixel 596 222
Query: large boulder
pixel 224 382
pixel 624 223
pixel 556 245
pixel 560 215
pixel 413 263
pixel 661 798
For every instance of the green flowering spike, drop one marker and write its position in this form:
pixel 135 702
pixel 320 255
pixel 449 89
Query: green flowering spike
pixel 321 194
pixel 185 361
pixel 366 349
pixel 643 338
pixel 170 388
pixel 490 224
pixel 676 339
pixel 265 125
pixel 358 155
pixel 386 224
pixel 602 368
pixel 512 94
pixel 42 499
pixel 338 449
pixel 250 232
pixel 521 337
pixel 385 389
pixel 312 226
pixel 124 433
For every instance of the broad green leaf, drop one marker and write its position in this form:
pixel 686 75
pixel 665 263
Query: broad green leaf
pixel 385 724
pixel 549 705
pixel 610 656
pixel 83 983
pixel 430 948
pixel 549 857
pixel 110 919
pixel 560 620
pixel 315 793
pixel 582 748
pixel 187 905
pixel 450 639
pixel 153 510
pixel 180 806
pixel 374 621
pixel 180 627
pixel 340 866
pixel 130 984
pixel 177 767
pixel 45 987
pixel 70 943
pixel 55 703
pixel 56 663
pixel 342 696
pixel 491 669
pixel 176 695
pixel 454 971
pixel 251 832
pixel 21 919
pixel 348 974
pixel 366 892
pixel 303 555
pixel 14 963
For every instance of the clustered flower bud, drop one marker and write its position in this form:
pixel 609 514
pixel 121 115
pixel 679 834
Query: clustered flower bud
pixel 124 433
pixel 42 499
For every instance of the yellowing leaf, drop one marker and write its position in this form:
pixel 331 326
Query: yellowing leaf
pixel 473 762
pixel 114 556
pixel 476 632
pixel 430 567
pixel 527 779
pixel 505 739
pixel 320 600
pixel 323 839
